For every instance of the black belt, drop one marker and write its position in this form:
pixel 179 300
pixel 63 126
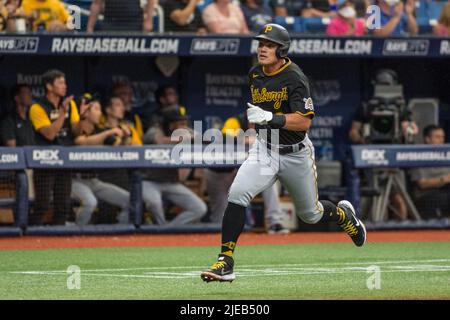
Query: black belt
pixel 284 149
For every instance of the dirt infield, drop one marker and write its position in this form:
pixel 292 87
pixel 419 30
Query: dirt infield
pixel 211 239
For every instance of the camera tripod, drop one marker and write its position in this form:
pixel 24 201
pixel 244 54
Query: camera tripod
pixel 380 203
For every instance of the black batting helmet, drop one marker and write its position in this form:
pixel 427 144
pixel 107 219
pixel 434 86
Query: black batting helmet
pixel 278 34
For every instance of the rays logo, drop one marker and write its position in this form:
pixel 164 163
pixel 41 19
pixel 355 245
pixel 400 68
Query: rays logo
pixel 308 104
pixel 215 46
pixel 19 44
pixel 406 47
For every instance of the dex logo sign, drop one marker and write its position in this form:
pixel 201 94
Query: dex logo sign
pixel 374 156
pixel 48 157
pixel 161 156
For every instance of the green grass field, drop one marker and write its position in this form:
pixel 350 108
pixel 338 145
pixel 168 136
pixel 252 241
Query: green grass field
pixel 313 271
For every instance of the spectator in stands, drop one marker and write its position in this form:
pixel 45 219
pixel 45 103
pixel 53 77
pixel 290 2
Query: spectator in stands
pixel 159 183
pixel 47 15
pixel 346 23
pixel 3 16
pixel 442 29
pixel 397 18
pixel 86 187
pixel 56 122
pixel 183 16
pixel 16 128
pixel 13 6
pixel 124 91
pixel 303 8
pixel 432 184
pixel 257 14
pixel 17 19
pixel 122 15
pixel 223 16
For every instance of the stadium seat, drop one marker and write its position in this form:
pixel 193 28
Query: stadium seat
pixel 203 3
pixel 421 9
pixel 424 25
pixel 425 111
pixel 287 22
pixel 329 173
pixel 315 25
pixel 435 9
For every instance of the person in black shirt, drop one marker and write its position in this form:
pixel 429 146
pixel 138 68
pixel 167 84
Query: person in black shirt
pixel 282 110
pixel 183 16
pixel 121 15
pixel 16 128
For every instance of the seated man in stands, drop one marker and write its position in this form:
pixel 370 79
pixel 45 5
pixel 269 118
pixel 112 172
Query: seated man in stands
pixel 122 15
pixel 86 187
pixel 159 183
pixel 47 15
pixel 432 184
pixel 16 128
pixel 183 16
pixel 397 19
pixel 257 14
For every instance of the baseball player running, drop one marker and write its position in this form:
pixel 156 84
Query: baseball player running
pixel 281 107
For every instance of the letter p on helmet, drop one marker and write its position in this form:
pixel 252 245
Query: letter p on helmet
pixel 267 29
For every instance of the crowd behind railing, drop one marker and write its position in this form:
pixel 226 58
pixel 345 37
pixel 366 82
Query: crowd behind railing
pixel 331 17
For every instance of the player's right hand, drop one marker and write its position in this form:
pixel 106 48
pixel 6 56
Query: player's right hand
pixel 257 115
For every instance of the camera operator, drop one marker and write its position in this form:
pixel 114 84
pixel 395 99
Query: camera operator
pixel 360 128
pixel 363 132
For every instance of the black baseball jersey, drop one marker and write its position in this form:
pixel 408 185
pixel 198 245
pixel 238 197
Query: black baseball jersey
pixel 13 127
pixel 283 91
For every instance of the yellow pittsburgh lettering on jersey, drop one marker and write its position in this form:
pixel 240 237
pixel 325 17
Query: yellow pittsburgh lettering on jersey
pixel 263 95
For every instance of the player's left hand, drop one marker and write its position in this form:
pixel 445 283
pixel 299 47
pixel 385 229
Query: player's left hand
pixel 257 115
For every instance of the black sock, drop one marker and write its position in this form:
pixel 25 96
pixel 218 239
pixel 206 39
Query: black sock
pixel 232 226
pixel 331 212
